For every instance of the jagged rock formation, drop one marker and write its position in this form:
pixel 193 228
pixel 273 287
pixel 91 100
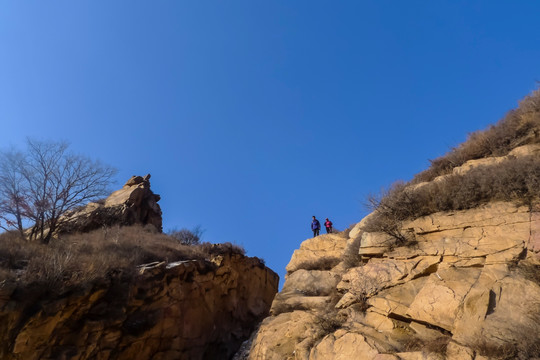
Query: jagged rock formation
pixel 461 284
pixel 135 203
pixel 186 310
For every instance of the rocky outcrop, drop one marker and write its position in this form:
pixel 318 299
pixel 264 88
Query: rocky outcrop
pixel 186 310
pixel 446 267
pixel 135 203
pixel 459 289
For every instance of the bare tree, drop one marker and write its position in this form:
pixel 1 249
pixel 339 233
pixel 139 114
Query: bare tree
pixel 13 199
pixel 186 236
pixel 52 181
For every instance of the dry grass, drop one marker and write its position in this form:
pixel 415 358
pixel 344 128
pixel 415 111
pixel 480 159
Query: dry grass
pixel 327 320
pixel 519 127
pixel 436 345
pixel 528 347
pixel 515 179
pixel 77 260
pixel 529 271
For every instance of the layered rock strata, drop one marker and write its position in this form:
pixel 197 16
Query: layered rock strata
pixel 457 282
pixel 185 310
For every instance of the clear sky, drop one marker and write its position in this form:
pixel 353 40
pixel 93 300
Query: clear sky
pixel 252 116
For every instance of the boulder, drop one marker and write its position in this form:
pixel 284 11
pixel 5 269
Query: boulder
pixel 321 251
pixel 287 336
pixel 343 345
pixel 135 203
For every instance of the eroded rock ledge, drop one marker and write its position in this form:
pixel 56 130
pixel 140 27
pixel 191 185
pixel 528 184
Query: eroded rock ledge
pixel 186 310
pixel 135 203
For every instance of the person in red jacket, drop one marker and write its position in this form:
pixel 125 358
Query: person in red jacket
pixel 328 225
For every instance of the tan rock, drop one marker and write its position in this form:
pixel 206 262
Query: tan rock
pixel 520 151
pixel 512 315
pixel 377 321
pixel 473 233
pixel 316 250
pixel 305 289
pixel 135 203
pixel 464 262
pixel 455 351
pixel 357 229
pixel 311 282
pixel 343 345
pixel 471 164
pixel 375 243
pixel 280 337
pixel 525 150
pixel 385 357
pixel 439 300
pixel 378 274
pixel 423 332
pixel 419 355
pixel 398 299
pixel 454 278
pixel 283 303
pixel 534 240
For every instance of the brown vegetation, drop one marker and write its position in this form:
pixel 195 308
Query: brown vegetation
pixel 435 345
pixel 323 263
pixel 76 260
pixel 519 127
pixel 527 345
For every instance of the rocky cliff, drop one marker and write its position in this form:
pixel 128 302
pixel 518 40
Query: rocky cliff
pixel 195 309
pixel 135 203
pixel 408 282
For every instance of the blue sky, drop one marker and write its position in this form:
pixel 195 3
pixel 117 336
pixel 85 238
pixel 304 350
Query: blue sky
pixel 252 116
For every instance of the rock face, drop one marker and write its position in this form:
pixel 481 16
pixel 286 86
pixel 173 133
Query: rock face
pixel 135 203
pixel 186 310
pixel 457 291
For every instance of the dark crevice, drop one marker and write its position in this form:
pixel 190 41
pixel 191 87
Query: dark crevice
pixel 492 304
pixel 428 271
pixel 426 324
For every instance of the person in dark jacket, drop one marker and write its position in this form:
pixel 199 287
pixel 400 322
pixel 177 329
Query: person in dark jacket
pixel 315 226
pixel 328 225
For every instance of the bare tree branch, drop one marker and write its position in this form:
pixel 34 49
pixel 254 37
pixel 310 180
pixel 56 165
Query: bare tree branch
pixel 45 183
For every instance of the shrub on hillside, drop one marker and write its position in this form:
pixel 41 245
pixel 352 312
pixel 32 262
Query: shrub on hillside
pixel 186 236
pixel 79 259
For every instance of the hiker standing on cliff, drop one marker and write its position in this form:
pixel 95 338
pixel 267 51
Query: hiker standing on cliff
pixel 328 225
pixel 315 226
